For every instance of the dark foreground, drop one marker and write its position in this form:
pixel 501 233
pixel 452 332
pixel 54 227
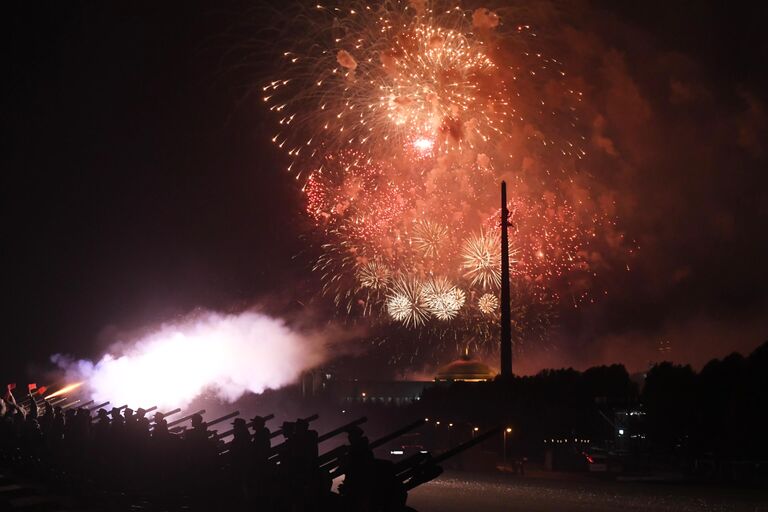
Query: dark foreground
pixel 458 491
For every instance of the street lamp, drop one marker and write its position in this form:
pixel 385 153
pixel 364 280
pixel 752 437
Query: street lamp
pixel 507 430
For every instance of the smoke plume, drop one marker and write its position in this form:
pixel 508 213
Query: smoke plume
pixel 227 355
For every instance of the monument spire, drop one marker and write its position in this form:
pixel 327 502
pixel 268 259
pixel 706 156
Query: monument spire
pixel 506 316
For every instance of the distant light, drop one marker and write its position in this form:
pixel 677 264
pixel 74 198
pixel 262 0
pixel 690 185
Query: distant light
pixel 426 419
pixel 509 430
pixel 437 423
pixel 450 424
pixel 475 429
pixel 621 431
pixel 363 393
pixel 423 451
pixel 396 452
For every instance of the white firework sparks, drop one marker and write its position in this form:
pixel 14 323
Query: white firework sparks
pixel 406 302
pixel 373 275
pixel 482 259
pixel 488 304
pixel 443 299
pixel 428 237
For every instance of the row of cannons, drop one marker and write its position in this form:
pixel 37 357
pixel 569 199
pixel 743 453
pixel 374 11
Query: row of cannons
pixel 152 460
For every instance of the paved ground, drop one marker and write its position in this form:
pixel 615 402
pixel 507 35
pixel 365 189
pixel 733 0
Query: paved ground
pixel 457 491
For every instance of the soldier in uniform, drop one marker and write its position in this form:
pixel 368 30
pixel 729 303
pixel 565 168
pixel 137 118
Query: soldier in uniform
pixel 239 456
pixel 261 440
pixel 261 470
pixel 357 466
pixel 129 419
pixel 116 426
pixel 142 423
pixel 160 430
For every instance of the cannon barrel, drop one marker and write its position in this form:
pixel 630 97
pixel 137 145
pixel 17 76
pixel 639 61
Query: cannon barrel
pixel 78 404
pixel 57 401
pixel 279 431
pixel 466 446
pixel 327 459
pixel 166 414
pixel 341 429
pixel 332 433
pixel 70 404
pixel 397 433
pixel 427 469
pixel 97 407
pixel 327 435
pixel 222 418
pixel 182 420
pixel 154 407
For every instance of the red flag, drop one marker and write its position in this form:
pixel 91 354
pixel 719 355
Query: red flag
pixel 31 386
pixel 11 386
pixel 42 390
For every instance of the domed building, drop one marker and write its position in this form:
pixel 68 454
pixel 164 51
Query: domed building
pixel 465 369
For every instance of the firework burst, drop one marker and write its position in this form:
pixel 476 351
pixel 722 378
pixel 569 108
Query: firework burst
pixel 373 275
pixel 481 257
pixel 428 237
pixel 406 302
pixel 400 118
pixel 443 300
pixel 488 304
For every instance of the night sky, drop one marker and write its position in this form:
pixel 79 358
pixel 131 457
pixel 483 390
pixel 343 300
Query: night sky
pixel 139 182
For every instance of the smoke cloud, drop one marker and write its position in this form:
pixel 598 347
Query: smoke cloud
pixel 227 355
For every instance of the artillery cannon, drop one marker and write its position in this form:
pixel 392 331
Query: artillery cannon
pixel 279 431
pixel 182 420
pixel 76 402
pixel 57 401
pixel 220 419
pixel 423 469
pixel 275 451
pixel 97 407
pixel 171 412
pixel 329 461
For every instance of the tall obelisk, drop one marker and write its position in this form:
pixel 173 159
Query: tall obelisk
pixel 506 315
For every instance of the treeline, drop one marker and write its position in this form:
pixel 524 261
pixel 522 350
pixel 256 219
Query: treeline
pixel 719 412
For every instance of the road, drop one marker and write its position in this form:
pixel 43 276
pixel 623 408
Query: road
pixel 456 491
